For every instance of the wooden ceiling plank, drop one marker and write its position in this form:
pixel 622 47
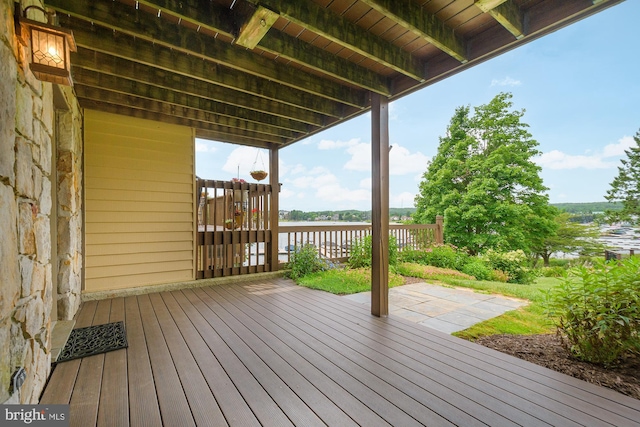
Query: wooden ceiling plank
pixel 422 23
pixel 318 59
pixel 113 84
pixel 345 33
pixel 507 13
pixel 224 134
pixel 311 107
pixel 245 106
pixel 115 17
pixel 154 103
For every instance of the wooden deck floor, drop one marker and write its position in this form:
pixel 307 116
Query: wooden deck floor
pixel 274 354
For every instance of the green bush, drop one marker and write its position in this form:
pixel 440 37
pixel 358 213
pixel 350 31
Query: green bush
pixel 304 260
pixel 556 271
pixel 443 256
pixel 478 269
pixel 598 310
pixel 513 264
pixel 361 252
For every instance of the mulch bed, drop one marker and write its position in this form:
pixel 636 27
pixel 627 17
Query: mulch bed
pixel 547 350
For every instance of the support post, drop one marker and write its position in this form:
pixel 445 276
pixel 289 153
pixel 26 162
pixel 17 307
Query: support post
pixel 380 205
pixel 274 210
pixel 439 229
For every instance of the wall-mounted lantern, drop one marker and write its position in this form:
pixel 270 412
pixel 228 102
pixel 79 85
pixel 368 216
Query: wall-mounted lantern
pixel 50 44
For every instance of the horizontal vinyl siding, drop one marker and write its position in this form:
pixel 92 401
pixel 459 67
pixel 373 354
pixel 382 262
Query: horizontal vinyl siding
pixel 139 184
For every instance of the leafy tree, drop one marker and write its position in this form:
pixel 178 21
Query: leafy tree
pixel 484 183
pixel 569 237
pixel 625 187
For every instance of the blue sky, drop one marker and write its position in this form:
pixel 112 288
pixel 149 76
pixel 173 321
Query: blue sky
pixel 580 87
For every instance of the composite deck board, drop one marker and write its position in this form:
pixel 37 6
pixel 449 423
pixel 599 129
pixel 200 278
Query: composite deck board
pixel 86 392
pixel 174 407
pixel 343 372
pixel 236 411
pixel 320 404
pixel 261 403
pixel 270 353
pixel 114 404
pixel 144 409
pixel 286 398
pixel 484 389
pixel 513 382
pixel 362 365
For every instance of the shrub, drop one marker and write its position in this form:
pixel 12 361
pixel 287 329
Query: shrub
pixel 304 260
pixel 556 271
pixel 361 252
pixel 443 256
pixel 511 263
pixel 499 276
pixel 598 310
pixel 478 269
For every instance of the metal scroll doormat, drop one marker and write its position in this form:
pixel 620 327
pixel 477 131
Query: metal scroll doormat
pixel 92 340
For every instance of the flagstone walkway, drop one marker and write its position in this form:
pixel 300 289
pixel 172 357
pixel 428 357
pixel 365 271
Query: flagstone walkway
pixel 444 309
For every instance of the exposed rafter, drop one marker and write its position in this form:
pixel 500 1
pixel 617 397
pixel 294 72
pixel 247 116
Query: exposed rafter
pixel 425 25
pixel 345 33
pixel 256 27
pixel 113 16
pixel 506 12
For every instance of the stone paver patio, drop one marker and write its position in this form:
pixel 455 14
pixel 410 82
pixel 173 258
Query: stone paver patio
pixel 445 309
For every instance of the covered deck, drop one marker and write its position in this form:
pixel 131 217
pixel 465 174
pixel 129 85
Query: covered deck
pixel 268 352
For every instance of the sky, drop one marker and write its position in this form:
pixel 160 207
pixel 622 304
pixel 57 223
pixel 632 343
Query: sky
pixel 579 87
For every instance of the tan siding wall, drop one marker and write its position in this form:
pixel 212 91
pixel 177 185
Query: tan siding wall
pixel 139 202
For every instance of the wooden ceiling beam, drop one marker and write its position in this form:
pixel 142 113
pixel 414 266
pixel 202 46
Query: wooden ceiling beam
pixel 117 17
pixel 345 33
pixel 214 131
pixel 152 101
pixel 507 13
pixel 224 112
pixel 416 19
pixel 311 108
pixel 245 106
pixel 295 50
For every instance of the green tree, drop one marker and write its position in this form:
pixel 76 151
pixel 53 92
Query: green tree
pixel 484 183
pixel 625 187
pixel 569 237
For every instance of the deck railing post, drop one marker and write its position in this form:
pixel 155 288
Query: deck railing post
pixel 439 229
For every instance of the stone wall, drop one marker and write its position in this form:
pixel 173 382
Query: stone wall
pixel 69 201
pixel 26 291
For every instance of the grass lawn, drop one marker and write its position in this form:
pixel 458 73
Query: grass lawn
pixel 345 281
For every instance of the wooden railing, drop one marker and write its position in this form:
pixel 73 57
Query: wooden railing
pixel 233 228
pixel 334 242
pixel 235 237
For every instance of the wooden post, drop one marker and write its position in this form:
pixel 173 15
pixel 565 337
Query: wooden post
pixel 439 229
pixel 271 250
pixel 380 205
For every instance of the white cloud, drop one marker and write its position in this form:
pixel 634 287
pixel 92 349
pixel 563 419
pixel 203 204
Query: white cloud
pixel 327 188
pixel 327 144
pixel 205 146
pixel 242 160
pixel 556 159
pixel 366 184
pixel 401 160
pixel 617 150
pixel 507 81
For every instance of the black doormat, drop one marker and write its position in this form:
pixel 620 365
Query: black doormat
pixel 92 340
